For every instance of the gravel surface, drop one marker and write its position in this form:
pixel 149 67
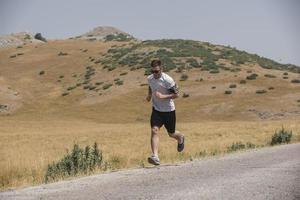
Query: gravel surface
pixel 268 173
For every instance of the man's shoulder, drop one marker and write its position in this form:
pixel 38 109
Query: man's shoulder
pixel 150 77
pixel 167 78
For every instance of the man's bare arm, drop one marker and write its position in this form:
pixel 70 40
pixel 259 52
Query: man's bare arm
pixel 149 94
pixel 165 96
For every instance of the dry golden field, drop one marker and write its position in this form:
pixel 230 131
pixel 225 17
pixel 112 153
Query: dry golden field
pixel 27 146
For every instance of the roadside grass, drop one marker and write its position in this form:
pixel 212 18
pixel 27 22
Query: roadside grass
pixel 26 150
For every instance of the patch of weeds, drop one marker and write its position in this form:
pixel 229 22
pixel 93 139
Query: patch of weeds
pixel 65 94
pixel 239 145
pixel 77 161
pixel 232 86
pixel 42 73
pixel 119 82
pixel 242 81
pixel 123 73
pixel 281 136
pixel 106 86
pixel 228 92
pixel 99 83
pixel 295 81
pixel 185 95
pixel 62 54
pixel 252 77
pixel 184 77
pixel 261 91
pixel 270 76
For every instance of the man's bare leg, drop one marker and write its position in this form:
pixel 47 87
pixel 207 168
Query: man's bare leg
pixel 154 140
pixel 177 136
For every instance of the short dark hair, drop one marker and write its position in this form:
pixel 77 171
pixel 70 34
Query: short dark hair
pixel 155 63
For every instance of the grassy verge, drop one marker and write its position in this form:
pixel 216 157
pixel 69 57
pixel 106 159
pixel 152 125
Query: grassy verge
pixel 27 149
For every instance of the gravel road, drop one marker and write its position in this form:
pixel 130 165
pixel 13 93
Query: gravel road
pixel 267 173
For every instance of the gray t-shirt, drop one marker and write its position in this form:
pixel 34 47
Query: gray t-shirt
pixel 165 85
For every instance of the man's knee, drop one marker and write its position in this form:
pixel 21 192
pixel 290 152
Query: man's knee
pixel 154 130
pixel 171 134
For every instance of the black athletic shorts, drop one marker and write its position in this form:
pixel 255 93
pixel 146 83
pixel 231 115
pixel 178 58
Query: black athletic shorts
pixel 168 119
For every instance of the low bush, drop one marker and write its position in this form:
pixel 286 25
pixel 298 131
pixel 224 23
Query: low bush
pixel 243 82
pixel 281 136
pixel 261 91
pixel 77 161
pixel 185 95
pixel 271 88
pixel 123 73
pixel 214 71
pixel 42 72
pixel 232 86
pixel 270 76
pixel 184 77
pixel 106 86
pixel 228 92
pixel 62 54
pixel 239 145
pixel 252 77
pixel 119 82
pixel 295 81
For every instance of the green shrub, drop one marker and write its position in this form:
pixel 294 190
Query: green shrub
pixel 228 92
pixel 62 54
pixel 42 72
pixel 282 136
pixel 285 77
pixel 271 88
pixel 92 87
pixel 61 76
pixel 13 56
pixel 270 76
pixel 193 63
pixel 252 77
pixel 239 145
pixel 213 87
pixel 65 94
pixel 106 86
pixel 295 81
pixel 232 86
pixel 78 161
pixel 199 79
pixel 123 73
pixel 119 82
pixel 185 95
pixel 71 88
pixel 99 83
pixel 111 68
pixel 261 91
pixel 184 77
pixel 214 71
pixel 243 82
pixel 285 73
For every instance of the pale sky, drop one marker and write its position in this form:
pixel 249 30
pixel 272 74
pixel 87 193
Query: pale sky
pixel 270 28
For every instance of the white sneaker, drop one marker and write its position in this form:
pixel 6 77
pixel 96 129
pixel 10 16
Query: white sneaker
pixel 154 160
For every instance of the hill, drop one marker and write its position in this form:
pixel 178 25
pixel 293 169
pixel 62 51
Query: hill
pixel 77 78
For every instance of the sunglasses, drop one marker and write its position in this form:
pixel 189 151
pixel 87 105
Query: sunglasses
pixel 155 71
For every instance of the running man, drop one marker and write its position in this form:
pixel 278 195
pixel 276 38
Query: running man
pixel 162 91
